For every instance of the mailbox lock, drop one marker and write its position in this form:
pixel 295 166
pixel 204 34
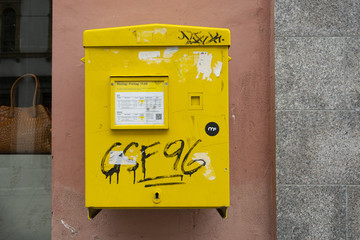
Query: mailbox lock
pixel 156 196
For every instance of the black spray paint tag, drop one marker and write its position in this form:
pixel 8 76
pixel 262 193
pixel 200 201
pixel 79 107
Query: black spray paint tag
pixel 212 129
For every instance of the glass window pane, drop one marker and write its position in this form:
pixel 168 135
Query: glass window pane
pixel 8 30
pixel 25 119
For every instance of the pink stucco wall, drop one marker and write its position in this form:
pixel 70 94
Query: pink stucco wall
pixel 252 131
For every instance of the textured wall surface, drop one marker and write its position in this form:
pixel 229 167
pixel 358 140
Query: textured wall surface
pixel 317 49
pixel 252 122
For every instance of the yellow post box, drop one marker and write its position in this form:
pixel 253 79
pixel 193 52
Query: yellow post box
pixel 156 118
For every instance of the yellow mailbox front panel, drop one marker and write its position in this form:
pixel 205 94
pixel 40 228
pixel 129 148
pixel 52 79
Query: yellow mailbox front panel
pixel 156 117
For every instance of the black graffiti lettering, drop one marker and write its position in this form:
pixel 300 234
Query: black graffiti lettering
pixel 176 153
pixel 129 146
pixel 193 37
pixel 197 38
pixel 204 41
pixel 171 150
pixel 200 161
pixel 215 39
pixel 163 184
pixel 183 36
pixel 162 177
pixel 145 156
pixel 133 168
pixel 192 171
pixel 200 38
pixel 115 169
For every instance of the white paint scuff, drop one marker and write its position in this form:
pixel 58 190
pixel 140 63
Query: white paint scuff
pixel 149 55
pixel 160 30
pixel 146 36
pixel 73 230
pixel 119 158
pixel 155 56
pixel 217 68
pixel 169 51
pixel 209 172
pixel 204 65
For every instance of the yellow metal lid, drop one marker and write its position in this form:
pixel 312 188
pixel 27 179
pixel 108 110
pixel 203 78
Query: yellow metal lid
pixel 157 35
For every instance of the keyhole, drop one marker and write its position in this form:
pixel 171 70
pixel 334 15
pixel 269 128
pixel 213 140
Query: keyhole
pixel 156 197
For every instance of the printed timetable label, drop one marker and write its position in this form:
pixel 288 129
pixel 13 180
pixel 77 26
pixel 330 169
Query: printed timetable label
pixel 139 103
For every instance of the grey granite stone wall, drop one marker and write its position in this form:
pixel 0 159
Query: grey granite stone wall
pixel 317 65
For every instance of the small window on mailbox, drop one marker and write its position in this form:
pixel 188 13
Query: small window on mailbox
pixel 139 102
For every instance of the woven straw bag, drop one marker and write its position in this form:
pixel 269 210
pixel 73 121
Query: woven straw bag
pixel 25 129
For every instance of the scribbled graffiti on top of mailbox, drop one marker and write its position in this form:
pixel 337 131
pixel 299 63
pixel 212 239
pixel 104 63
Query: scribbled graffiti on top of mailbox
pixel 200 37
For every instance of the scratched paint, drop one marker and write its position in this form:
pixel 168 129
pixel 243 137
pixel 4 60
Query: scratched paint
pixel 155 56
pixel 160 30
pixel 217 68
pixel 148 36
pixel 66 225
pixel 209 171
pixel 185 64
pixel 169 51
pixel 119 158
pixel 204 65
pixel 149 55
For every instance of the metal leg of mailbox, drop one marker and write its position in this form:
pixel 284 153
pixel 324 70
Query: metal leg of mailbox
pixel 223 212
pixel 92 212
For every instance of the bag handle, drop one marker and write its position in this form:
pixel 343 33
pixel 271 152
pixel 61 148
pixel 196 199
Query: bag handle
pixel 35 98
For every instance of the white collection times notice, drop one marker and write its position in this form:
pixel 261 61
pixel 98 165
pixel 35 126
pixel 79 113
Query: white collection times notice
pixel 136 108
